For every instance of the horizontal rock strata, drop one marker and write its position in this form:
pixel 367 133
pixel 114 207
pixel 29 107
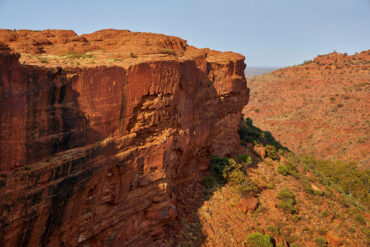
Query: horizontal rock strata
pixel 102 154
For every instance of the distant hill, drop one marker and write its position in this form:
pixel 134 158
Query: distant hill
pixel 255 71
pixel 320 107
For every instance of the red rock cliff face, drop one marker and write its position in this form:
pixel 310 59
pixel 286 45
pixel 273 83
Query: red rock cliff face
pixel 100 154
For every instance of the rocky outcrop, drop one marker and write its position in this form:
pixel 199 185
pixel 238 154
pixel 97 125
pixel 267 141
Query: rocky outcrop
pixel 103 153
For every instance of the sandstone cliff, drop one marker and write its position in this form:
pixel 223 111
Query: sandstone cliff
pixel 104 136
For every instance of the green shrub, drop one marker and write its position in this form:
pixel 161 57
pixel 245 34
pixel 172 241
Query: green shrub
pixel 27 168
pixel 249 121
pixel 285 194
pixel 236 177
pixel 283 169
pixel 344 177
pixel 325 213
pixel 318 192
pixel 76 55
pixel 133 55
pixel 366 231
pixel 247 186
pixel 257 239
pixel 228 170
pixel 209 182
pixel 321 242
pixel 218 165
pixel 251 134
pixel 286 201
pixel 288 169
pixel 360 219
pixel 322 231
pixel 296 218
pixel 271 152
pixel 167 51
pixel 231 167
pixel 43 60
pixel 245 158
pixel 273 230
pixel 307 62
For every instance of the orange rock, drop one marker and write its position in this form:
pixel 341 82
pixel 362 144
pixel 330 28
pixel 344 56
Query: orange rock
pixel 260 151
pixel 283 160
pixel 247 204
pixel 333 240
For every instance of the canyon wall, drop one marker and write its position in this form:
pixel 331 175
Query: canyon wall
pixel 108 153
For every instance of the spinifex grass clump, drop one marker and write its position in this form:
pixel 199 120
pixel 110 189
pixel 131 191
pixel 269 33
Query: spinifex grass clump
pixel 257 239
pixel 286 201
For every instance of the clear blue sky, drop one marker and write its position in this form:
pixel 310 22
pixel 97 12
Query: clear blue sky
pixel 267 32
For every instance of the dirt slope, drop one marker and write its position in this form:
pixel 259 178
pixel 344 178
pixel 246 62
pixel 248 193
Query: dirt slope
pixel 320 107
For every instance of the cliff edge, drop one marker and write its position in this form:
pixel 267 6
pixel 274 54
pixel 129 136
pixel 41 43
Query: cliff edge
pixel 104 136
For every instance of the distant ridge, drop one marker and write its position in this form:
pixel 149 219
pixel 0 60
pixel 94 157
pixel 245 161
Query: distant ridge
pixel 255 71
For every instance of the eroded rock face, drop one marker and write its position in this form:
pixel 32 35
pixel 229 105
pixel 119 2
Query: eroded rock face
pixel 101 155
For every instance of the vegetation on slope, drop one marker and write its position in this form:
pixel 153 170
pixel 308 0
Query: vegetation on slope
pixel 302 201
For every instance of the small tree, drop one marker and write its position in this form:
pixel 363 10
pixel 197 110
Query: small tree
pixel 245 158
pixel 271 152
pixel 249 121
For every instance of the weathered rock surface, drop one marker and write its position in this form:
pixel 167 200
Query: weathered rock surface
pixel 247 204
pixel 99 149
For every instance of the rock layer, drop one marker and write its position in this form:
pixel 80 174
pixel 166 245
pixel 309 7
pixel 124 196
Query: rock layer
pixel 103 154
